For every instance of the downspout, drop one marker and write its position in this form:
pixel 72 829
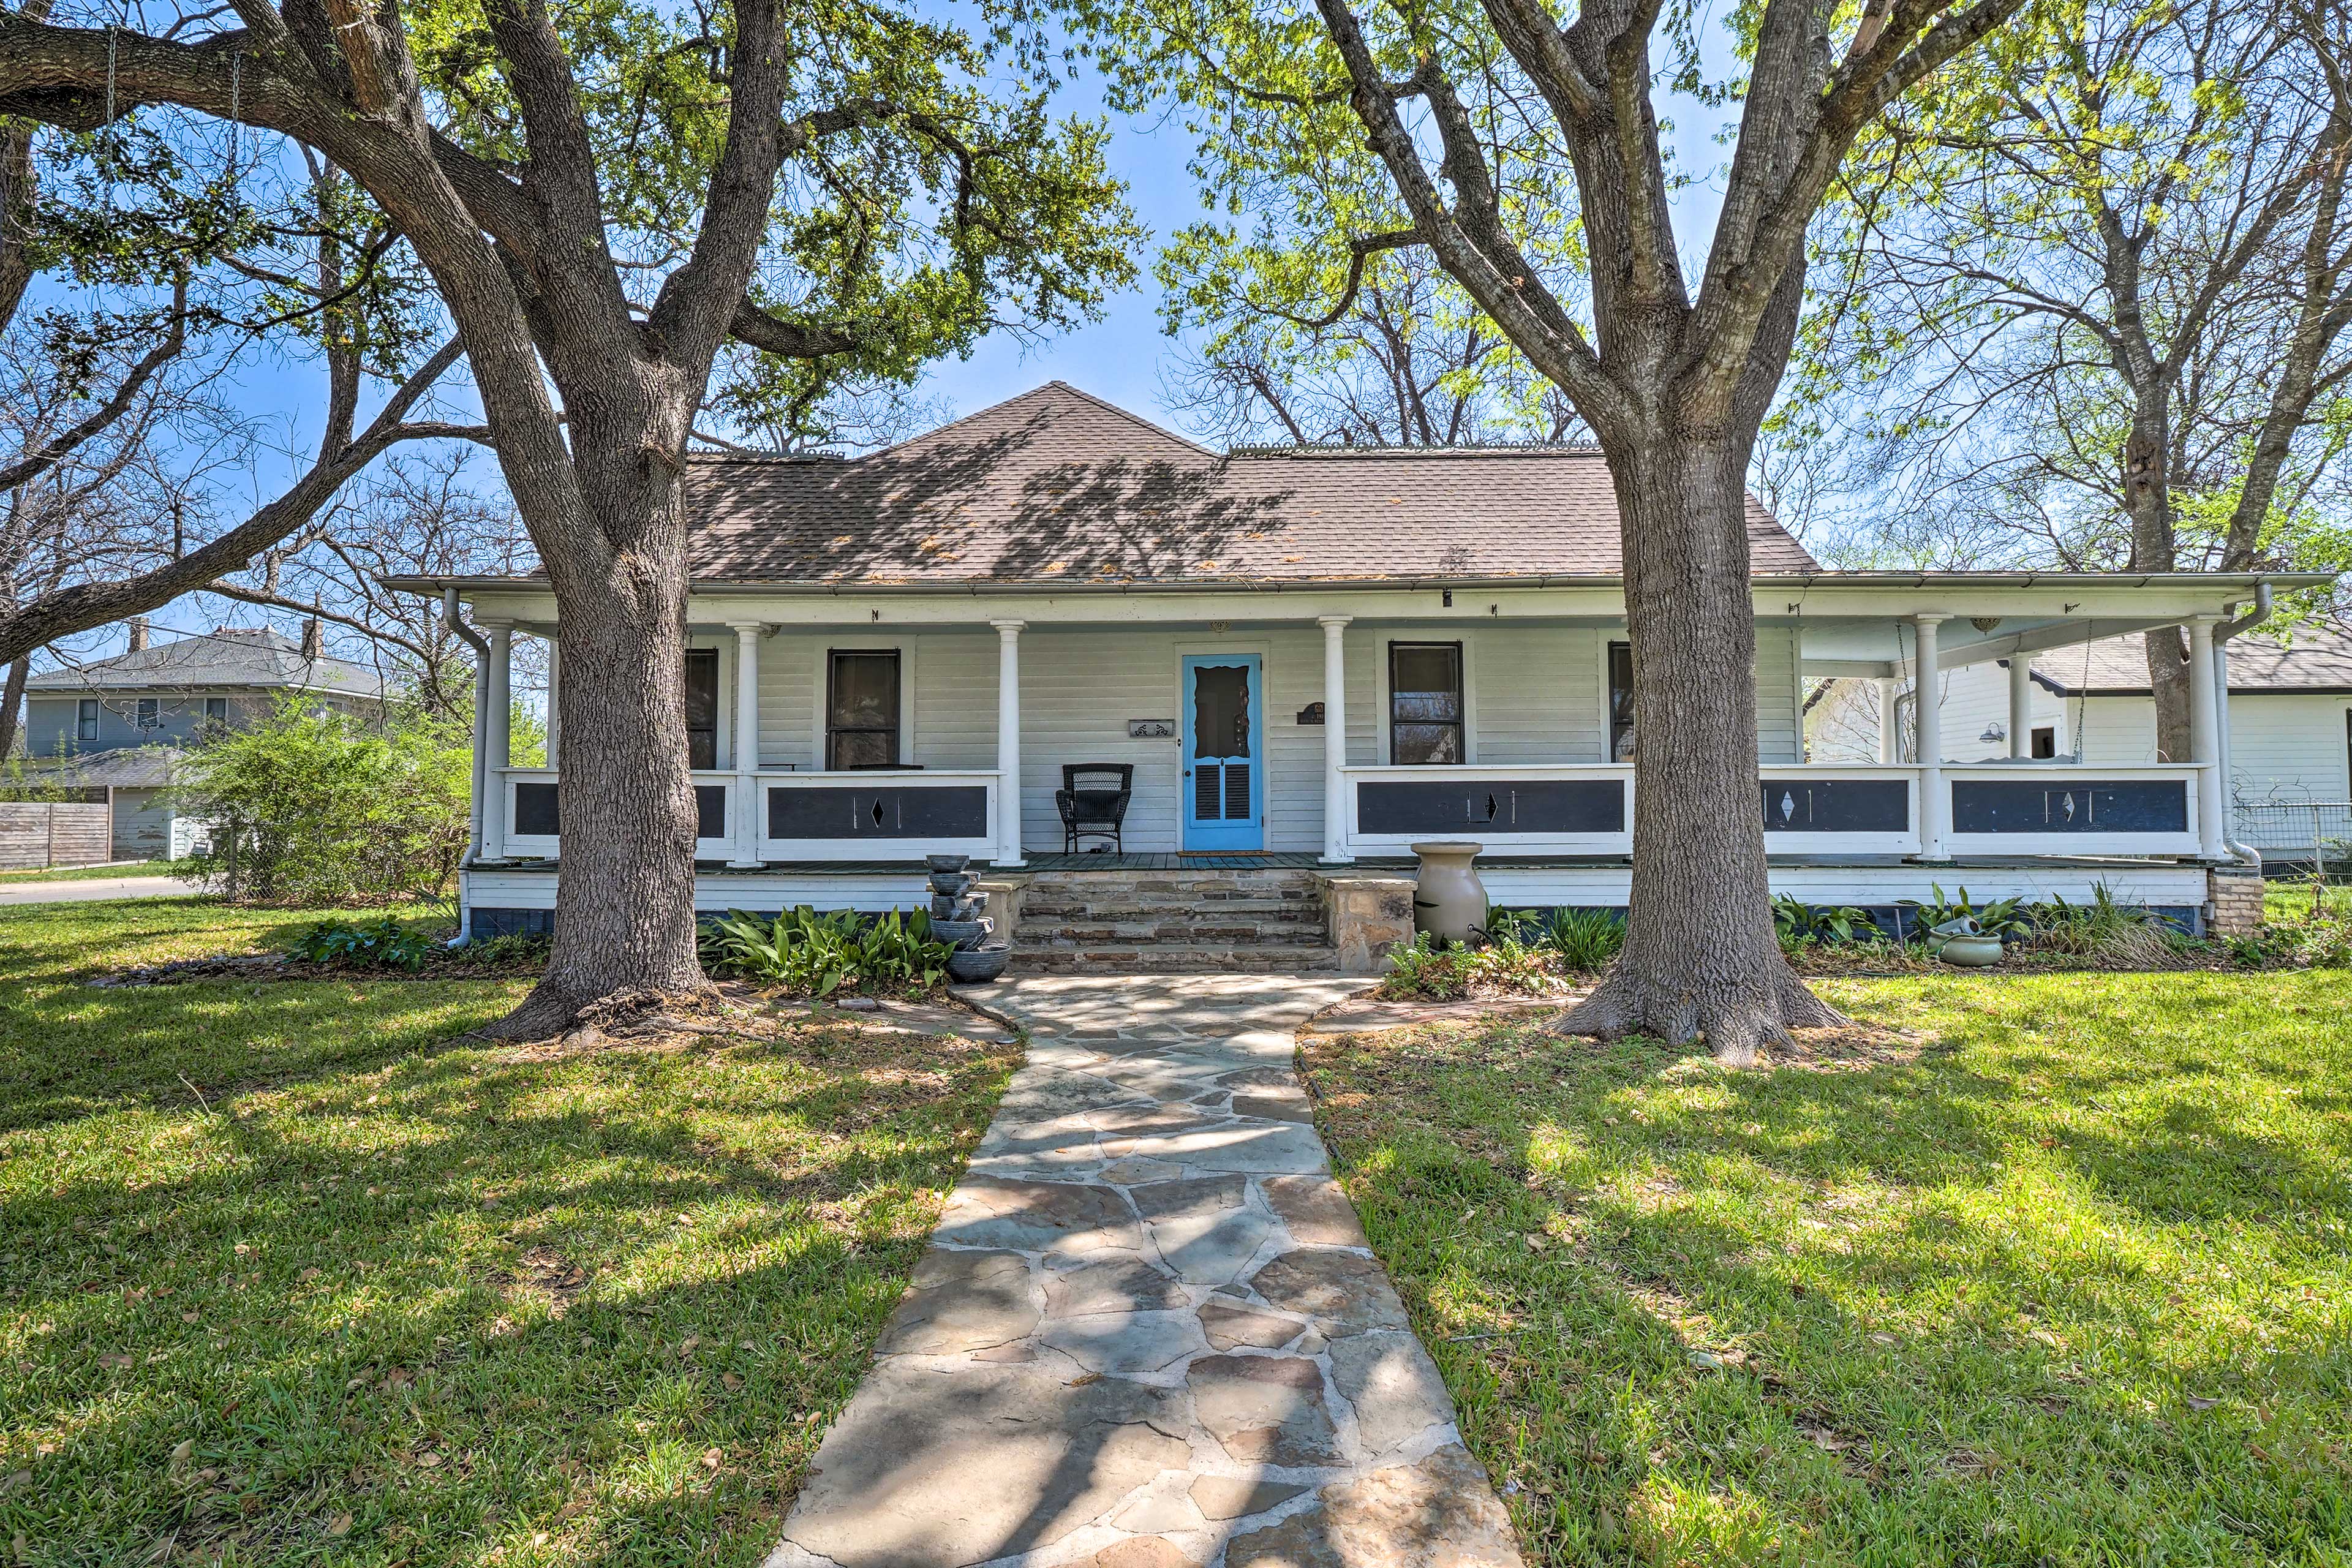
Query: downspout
pixel 481 647
pixel 2246 854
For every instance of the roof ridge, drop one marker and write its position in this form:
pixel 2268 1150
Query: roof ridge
pixel 1000 403
pixel 1130 417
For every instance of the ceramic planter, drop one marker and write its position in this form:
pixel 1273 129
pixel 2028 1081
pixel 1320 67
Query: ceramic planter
pixel 1450 900
pixel 978 965
pixel 1972 950
pixel 962 934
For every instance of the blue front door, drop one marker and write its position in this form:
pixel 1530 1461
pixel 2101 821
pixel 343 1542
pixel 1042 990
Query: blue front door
pixel 1224 754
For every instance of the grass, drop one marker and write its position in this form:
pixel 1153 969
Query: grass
pixel 88 873
pixel 2072 1285
pixel 292 1274
pixel 2290 900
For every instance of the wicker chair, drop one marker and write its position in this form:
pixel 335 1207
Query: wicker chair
pixel 1093 802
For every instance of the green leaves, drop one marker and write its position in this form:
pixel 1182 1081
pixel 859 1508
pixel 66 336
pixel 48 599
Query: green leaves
pixel 809 953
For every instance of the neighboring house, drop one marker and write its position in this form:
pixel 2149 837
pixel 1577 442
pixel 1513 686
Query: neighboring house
pixel 113 730
pixel 2288 746
pixel 1309 659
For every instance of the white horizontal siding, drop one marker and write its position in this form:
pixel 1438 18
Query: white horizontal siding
pixel 2289 746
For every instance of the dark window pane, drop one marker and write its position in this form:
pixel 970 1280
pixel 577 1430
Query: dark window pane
pixel 864 749
pixel 1416 744
pixel 702 708
pixel 861 709
pixel 1620 702
pixel 1426 708
pixel 1221 724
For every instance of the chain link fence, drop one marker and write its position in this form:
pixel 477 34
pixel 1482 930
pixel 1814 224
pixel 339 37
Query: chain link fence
pixel 2309 835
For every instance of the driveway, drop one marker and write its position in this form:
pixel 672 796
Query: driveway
pixel 75 892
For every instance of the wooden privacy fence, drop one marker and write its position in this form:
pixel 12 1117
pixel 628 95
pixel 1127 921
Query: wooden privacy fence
pixel 40 832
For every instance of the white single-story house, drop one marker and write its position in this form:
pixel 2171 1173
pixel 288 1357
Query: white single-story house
pixel 113 730
pixel 2289 715
pixel 1305 659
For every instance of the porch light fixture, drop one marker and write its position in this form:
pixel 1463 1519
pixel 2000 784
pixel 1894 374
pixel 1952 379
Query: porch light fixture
pixel 1446 597
pixel 1984 623
pixel 1994 731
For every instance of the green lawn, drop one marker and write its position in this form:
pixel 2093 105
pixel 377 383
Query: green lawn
pixel 2073 1286
pixel 2285 901
pixel 290 1274
pixel 89 873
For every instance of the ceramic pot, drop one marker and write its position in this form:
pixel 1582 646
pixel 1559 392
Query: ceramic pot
pixel 1449 901
pixel 978 965
pixel 955 910
pixel 946 862
pixel 953 884
pixel 1975 950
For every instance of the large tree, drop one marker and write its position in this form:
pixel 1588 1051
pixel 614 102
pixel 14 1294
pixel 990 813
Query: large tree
pixel 604 195
pixel 1472 112
pixel 2090 296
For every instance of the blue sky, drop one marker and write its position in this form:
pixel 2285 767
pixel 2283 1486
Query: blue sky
pixel 1118 358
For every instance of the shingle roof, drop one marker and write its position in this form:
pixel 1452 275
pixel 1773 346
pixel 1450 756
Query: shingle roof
pixel 128 767
pixel 1056 485
pixel 2311 658
pixel 236 657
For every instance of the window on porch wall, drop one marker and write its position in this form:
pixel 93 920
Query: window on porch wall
pixel 1620 702
pixel 702 708
pixel 1425 703
pixel 861 714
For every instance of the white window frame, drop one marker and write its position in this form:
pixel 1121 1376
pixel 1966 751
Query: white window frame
pixel 824 647
pixel 1442 632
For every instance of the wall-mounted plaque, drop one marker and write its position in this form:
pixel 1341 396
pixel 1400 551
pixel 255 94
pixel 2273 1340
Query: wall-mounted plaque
pixel 1311 714
pixel 1152 729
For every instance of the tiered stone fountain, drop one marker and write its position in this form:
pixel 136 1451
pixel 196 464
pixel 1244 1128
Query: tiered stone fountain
pixel 957 920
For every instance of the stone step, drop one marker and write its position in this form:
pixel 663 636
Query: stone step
pixel 1098 905
pixel 1084 933
pixel 1124 912
pixel 1201 884
pixel 1173 958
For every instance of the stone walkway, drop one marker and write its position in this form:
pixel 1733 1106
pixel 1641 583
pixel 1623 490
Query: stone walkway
pixel 1149 1332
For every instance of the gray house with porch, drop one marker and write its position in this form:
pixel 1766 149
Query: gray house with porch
pixel 1300 661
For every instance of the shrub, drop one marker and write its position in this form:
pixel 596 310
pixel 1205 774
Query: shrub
pixel 315 807
pixel 2004 917
pixel 1430 966
pixel 381 944
pixel 804 951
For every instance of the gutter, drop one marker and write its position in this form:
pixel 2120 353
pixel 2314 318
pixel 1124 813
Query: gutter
pixel 481 647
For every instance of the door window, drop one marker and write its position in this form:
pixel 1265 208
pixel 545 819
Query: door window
pixel 861 720
pixel 702 708
pixel 1425 703
pixel 1221 742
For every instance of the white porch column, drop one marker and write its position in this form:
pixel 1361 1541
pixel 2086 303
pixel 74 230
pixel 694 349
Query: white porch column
pixel 497 728
pixel 554 679
pixel 1928 732
pixel 1335 739
pixel 2205 736
pixel 747 744
pixel 1890 743
pixel 2021 705
pixel 1008 743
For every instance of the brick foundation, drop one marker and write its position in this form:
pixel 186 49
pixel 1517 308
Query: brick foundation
pixel 2233 901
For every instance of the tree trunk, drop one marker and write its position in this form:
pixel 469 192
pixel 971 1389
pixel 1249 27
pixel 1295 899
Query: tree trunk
pixel 2148 500
pixel 1700 958
pixel 625 926
pixel 12 699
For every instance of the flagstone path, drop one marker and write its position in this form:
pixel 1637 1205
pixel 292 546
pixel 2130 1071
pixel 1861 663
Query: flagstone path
pixel 1149 1332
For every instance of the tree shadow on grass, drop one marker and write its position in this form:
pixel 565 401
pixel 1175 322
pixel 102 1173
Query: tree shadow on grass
pixel 1953 1302
pixel 581 1343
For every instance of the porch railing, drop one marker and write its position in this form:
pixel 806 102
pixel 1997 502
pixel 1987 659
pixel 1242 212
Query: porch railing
pixel 1587 809
pixel 534 813
pixel 895 815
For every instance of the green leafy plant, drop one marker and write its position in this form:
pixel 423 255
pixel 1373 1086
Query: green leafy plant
pixel 2003 918
pixel 515 950
pixel 802 951
pixel 1796 923
pixel 2084 928
pixel 1433 967
pixel 381 944
pixel 315 808
pixel 1585 940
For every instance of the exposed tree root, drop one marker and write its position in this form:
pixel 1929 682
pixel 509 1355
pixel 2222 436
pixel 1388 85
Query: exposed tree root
pixel 552 1009
pixel 1736 1021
